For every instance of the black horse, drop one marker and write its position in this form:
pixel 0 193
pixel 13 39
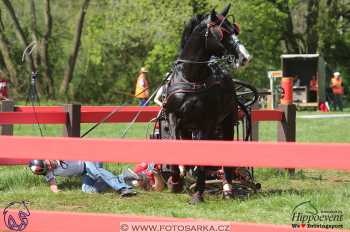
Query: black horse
pixel 201 95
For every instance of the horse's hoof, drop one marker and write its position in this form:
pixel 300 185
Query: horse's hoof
pixel 227 195
pixel 227 192
pixel 144 182
pixel 175 187
pixel 197 198
pixel 257 186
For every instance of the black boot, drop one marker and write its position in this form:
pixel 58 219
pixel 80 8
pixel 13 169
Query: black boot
pixel 127 192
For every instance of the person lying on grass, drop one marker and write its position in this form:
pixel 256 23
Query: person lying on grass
pixel 146 176
pixel 95 178
pixel 150 176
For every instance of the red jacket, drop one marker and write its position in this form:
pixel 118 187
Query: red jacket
pixel 337 86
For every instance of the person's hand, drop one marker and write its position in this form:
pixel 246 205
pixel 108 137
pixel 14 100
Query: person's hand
pixel 54 188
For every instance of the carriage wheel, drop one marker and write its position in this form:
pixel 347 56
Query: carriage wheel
pixel 246 93
pixel 246 96
pixel 240 189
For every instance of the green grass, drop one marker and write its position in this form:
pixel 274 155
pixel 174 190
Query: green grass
pixel 327 189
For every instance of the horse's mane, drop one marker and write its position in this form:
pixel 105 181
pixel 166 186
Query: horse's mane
pixel 189 27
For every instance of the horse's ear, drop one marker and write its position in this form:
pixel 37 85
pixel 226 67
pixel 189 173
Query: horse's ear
pixel 225 10
pixel 213 16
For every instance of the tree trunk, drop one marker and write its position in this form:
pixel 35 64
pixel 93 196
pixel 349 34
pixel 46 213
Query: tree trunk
pixel 5 51
pixel 1 23
pixel 44 50
pixel 68 75
pixel 312 36
pixel 289 37
pixel 36 55
pixel 20 34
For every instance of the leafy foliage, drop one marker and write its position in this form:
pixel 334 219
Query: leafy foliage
pixel 121 36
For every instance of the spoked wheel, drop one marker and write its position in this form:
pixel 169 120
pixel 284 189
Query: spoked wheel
pixel 243 184
pixel 245 122
pixel 246 93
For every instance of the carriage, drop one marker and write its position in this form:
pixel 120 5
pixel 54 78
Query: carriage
pixel 244 183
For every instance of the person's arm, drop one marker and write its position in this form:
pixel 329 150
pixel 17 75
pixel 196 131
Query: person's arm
pixel 52 181
pixel 333 83
pixel 158 95
pixel 159 182
pixel 53 186
pixel 142 83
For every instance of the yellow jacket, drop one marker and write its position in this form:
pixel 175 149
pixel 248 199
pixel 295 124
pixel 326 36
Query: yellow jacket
pixel 142 87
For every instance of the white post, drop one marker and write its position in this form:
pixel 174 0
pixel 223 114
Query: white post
pixel 272 93
pixel 272 75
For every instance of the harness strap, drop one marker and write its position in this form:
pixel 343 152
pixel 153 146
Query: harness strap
pixel 178 61
pixel 188 87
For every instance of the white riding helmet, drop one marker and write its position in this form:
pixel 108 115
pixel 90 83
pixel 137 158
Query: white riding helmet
pixel 38 167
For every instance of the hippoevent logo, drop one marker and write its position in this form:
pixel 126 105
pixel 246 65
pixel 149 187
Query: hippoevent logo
pixel 306 215
pixel 16 215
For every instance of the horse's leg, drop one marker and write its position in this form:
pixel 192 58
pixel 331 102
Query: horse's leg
pixel 202 170
pixel 175 183
pixel 173 126
pixel 200 185
pixel 228 134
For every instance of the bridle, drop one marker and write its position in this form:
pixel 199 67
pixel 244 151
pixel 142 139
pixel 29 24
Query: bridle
pixel 218 28
pixel 221 30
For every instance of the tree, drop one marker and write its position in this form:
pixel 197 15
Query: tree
pixel 68 76
pixel 44 49
pixel 20 34
pixel 5 51
pixel 107 46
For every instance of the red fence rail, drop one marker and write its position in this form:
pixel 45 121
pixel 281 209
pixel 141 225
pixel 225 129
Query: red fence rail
pixel 216 153
pixel 73 115
pixel 202 153
pixel 63 221
pixel 93 114
pixel 15 150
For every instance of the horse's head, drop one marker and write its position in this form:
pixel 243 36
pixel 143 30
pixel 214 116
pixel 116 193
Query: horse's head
pixel 225 34
pixel 220 37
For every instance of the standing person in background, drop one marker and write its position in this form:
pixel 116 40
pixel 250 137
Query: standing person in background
pixel 338 90
pixel 296 82
pixel 142 87
pixel 3 87
pixel 313 87
pixel 158 99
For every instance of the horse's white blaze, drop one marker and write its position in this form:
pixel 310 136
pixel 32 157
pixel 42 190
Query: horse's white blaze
pixel 244 56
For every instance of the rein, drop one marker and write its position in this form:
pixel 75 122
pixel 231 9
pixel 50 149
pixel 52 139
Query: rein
pixel 221 29
pixel 178 61
pixel 211 61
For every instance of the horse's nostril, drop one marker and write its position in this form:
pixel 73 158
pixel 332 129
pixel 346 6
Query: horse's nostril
pixel 248 59
pixel 245 60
